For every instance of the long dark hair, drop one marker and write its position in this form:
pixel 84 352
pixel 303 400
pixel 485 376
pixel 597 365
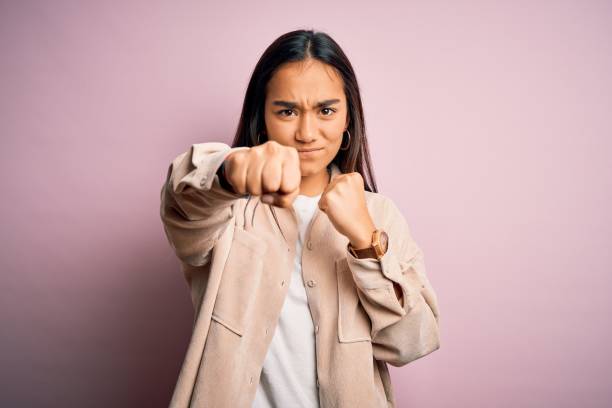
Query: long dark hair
pixel 299 45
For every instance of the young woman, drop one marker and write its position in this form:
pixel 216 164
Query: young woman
pixel 305 280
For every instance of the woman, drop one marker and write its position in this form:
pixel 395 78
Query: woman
pixel 305 280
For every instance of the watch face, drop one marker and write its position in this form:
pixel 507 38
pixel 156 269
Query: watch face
pixel 384 240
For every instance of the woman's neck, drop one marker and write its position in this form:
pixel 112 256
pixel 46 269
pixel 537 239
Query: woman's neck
pixel 315 183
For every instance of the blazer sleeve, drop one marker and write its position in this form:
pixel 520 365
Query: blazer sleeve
pixel 195 208
pixel 399 334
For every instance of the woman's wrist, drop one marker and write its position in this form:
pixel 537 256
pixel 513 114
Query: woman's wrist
pixel 222 180
pixel 364 238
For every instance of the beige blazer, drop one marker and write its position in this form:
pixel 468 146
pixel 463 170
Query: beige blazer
pixel 236 254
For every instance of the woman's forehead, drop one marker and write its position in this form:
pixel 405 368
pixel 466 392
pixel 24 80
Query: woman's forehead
pixel 310 81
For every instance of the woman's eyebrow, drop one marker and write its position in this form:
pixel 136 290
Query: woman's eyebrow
pixel 291 105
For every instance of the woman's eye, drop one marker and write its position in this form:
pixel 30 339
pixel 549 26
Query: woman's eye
pixel 328 109
pixel 285 110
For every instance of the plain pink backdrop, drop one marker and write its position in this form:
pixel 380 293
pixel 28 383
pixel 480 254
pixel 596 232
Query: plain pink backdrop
pixel 489 124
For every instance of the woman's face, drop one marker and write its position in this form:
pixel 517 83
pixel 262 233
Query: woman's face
pixel 306 108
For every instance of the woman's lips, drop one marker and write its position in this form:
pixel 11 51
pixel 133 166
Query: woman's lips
pixel 309 153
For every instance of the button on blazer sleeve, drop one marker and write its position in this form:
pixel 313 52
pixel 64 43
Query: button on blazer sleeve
pixel 400 334
pixel 195 208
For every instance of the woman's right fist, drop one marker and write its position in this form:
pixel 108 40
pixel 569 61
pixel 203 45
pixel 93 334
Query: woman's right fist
pixel 270 170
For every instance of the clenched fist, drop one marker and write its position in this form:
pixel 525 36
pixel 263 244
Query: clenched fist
pixel 270 170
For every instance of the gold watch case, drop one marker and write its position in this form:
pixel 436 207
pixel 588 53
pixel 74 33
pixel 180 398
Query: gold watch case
pixel 380 242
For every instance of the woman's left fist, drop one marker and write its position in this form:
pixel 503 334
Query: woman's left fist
pixel 343 200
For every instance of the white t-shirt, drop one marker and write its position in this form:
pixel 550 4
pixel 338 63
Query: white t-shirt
pixel 289 374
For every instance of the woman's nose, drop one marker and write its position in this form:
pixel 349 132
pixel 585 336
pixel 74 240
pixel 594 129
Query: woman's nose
pixel 306 131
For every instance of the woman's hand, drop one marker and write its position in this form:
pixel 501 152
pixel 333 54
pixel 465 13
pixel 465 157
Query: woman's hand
pixel 271 170
pixel 343 200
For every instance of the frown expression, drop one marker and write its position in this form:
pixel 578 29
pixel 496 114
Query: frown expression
pixel 306 108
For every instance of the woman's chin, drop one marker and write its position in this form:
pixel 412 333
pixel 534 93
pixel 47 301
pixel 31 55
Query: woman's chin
pixel 309 169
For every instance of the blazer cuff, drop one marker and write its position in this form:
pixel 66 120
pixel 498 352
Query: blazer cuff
pixel 200 172
pixel 375 280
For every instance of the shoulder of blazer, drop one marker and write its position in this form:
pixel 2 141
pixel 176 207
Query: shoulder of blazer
pixel 384 210
pixel 379 206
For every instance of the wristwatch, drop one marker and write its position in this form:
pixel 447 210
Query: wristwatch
pixel 377 249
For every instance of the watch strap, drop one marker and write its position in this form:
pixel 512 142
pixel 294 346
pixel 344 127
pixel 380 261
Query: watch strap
pixel 368 252
pixel 376 250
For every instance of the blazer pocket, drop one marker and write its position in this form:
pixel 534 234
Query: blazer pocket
pixel 353 322
pixel 239 281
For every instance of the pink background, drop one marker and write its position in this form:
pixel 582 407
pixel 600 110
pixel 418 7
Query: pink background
pixel 489 124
